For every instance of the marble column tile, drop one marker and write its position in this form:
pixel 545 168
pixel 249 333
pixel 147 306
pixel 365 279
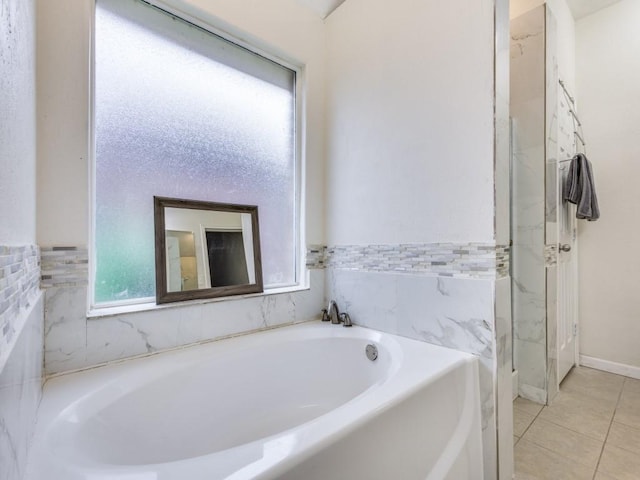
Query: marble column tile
pixel 532 370
pixel 502 124
pixel 529 234
pixel 551 120
pixel 20 393
pixel 527 42
pixel 528 187
pixel 65 330
pixel 504 358
pixel 488 390
pixel 528 272
pixel 535 394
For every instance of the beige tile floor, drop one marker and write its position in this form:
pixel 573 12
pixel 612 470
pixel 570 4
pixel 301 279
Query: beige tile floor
pixel 591 431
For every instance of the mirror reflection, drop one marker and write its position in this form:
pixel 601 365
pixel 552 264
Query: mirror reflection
pixel 206 249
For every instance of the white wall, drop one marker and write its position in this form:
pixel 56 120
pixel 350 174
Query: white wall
pixel 17 164
pixel 410 122
pixel 608 82
pixel 63 119
pixel 17 123
pixel 21 315
pixel 411 146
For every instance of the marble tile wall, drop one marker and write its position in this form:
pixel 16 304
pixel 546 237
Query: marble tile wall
pixel 21 320
pixel 74 340
pixel 504 377
pixel 458 311
pixel 453 312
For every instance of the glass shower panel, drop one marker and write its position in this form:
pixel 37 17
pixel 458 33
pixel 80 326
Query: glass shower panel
pixel 527 108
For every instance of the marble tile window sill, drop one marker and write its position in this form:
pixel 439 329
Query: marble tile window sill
pixel 96 313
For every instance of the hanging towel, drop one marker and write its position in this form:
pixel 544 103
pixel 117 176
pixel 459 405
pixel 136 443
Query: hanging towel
pixel 580 188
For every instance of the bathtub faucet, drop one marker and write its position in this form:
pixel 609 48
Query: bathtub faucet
pixel 333 314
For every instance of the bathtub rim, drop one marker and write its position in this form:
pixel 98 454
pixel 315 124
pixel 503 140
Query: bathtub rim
pixel 327 428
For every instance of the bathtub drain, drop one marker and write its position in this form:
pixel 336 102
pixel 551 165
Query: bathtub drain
pixel 371 351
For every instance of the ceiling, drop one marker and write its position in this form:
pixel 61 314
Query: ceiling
pixel 322 7
pixel 579 8
pixel 582 8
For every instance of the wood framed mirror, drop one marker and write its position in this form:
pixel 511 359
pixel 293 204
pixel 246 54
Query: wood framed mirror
pixel 205 250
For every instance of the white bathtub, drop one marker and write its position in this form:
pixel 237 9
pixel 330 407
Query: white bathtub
pixel 296 403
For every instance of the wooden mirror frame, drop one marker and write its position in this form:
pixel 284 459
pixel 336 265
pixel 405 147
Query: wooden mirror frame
pixel 162 294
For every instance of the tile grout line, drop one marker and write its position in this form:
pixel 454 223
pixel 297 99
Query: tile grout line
pixel 569 461
pixel 532 422
pixel 609 429
pixel 603 441
pixel 551 420
pixel 561 426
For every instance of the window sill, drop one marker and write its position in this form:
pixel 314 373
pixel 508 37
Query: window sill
pixel 96 313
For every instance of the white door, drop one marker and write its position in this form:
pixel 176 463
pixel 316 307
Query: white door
pixel 174 271
pixel 567 280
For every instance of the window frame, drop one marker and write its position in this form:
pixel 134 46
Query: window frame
pixel 213 25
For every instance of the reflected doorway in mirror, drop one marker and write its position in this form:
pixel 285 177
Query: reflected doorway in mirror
pixel 205 250
pixel 227 259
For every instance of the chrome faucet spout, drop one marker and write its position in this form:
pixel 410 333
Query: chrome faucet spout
pixel 345 319
pixel 333 312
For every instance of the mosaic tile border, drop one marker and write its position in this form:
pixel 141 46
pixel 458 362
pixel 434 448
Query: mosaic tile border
pixel 68 266
pixel 477 260
pixel 64 267
pixel 316 256
pixel 19 284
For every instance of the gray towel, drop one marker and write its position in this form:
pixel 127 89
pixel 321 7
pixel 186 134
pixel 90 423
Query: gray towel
pixel 580 188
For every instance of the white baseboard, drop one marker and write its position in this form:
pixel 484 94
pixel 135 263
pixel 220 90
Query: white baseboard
pixel 611 367
pixel 514 385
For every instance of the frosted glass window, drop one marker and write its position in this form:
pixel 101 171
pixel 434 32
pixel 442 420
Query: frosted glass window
pixel 180 112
